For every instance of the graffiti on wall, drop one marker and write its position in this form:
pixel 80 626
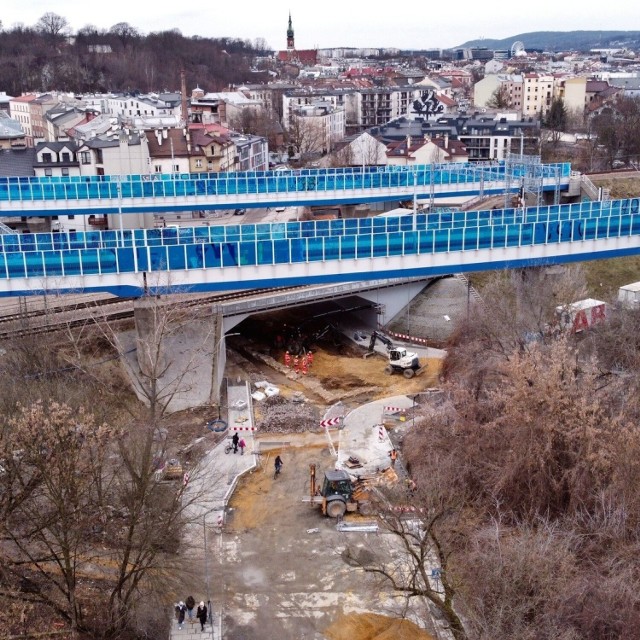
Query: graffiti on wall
pixel 428 104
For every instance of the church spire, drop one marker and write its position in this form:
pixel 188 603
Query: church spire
pixel 290 43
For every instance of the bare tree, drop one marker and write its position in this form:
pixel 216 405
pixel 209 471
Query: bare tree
pixel 52 25
pixel 131 518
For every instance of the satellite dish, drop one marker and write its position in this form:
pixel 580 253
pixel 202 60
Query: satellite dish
pixel 517 49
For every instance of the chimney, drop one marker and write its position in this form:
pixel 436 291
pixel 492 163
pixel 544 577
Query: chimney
pixel 183 96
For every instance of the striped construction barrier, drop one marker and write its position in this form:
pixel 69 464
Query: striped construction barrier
pixel 331 422
pixel 244 428
pixel 392 409
pixel 408 338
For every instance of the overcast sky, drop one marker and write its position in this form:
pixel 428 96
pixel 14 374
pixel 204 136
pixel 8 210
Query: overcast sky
pixel 334 23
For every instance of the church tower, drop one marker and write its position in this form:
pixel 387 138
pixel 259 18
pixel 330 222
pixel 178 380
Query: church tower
pixel 290 44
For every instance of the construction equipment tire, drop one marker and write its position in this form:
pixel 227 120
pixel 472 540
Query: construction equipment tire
pixel 388 370
pixel 336 509
pixel 408 373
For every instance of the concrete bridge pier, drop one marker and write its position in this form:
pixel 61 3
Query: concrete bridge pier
pixel 151 327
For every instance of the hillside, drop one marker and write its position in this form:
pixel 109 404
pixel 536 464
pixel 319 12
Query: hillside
pixel 563 40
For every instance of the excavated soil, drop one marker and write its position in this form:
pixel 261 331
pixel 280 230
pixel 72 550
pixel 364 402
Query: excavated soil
pixel 371 626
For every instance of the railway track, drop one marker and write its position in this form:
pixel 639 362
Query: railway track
pixel 58 317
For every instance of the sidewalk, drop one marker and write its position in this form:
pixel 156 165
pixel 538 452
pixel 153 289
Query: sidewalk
pixel 219 475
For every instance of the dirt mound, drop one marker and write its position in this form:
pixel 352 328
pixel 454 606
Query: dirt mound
pixel 371 626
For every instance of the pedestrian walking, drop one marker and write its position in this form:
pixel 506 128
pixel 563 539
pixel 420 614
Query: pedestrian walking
pixel 242 444
pixel 190 603
pixel 201 614
pixel 278 465
pixel 181 610
pixel 235 440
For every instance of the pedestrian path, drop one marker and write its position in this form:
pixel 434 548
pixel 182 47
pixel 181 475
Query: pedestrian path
pixel 191 630
pixel 213 487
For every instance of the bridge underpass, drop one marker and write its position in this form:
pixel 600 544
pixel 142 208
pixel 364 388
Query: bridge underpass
pixel 349 305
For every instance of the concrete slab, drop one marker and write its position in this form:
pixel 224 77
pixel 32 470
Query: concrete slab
pixel 364 437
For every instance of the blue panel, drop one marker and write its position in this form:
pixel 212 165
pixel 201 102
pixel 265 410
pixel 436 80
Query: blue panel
pixel 395 247
pixel 315 249
pixel 455 239
pixel 60 241
pixel 248 253
pixel 364 246
pixel 603 228
pixel 527 234
pixel 107 259
pixel 499 236
pixel 426 239
pixel 157 258
pixel 513 235
pixel 169 235
pixel 332 248
pixel 410 243
pixel 348 247
pixel 298 250
pixel 125 259
pixel 265 252
pixel 470 238
pixel 35 262
pixel 281 251
pixel 71 263
pixel 177 258
pixel 230 257
pixel 442 240
pixel 212 255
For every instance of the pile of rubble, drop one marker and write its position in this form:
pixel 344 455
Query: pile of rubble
pixel 279 415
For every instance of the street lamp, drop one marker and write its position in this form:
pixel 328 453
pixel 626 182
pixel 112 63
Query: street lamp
pixel 206 566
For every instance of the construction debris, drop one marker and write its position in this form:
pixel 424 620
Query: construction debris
pixel 361 527
pixel 278 415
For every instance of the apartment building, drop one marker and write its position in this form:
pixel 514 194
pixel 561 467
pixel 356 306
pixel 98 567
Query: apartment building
pixel 537 93
pixel 11 133
pixel 316 128
pixel 29 110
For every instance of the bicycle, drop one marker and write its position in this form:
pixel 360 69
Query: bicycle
pixel 229 446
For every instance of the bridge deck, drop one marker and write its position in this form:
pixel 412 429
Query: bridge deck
pixel 240 256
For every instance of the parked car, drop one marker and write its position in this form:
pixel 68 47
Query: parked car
pixel 280 209
pixel 239 212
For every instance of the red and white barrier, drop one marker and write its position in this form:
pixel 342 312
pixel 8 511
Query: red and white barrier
pixel 244 428
pixel 392 409
pixel 331 422
pixel 408 338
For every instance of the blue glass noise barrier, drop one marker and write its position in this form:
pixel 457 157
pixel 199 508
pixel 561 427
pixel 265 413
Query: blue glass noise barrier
pixel 102 252
pixel 256 182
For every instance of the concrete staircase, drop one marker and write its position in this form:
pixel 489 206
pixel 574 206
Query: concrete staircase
pixel 191 630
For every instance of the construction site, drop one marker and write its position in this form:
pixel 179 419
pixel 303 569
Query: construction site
pixel 280 558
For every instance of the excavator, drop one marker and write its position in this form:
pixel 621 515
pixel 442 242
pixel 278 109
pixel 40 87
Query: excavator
pixel 400 360
pixel 339 494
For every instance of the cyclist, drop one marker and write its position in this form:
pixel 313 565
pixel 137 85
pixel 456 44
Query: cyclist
pixel 277 464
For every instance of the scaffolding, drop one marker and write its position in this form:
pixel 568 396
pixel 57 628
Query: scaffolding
pixel 524 174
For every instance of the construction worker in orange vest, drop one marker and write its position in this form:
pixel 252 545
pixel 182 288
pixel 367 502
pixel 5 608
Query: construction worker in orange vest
pixel 296 364
pixel 287 359
pixel 310 358
pixel 393 454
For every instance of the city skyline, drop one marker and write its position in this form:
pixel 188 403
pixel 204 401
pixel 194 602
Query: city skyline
pixel 337 24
